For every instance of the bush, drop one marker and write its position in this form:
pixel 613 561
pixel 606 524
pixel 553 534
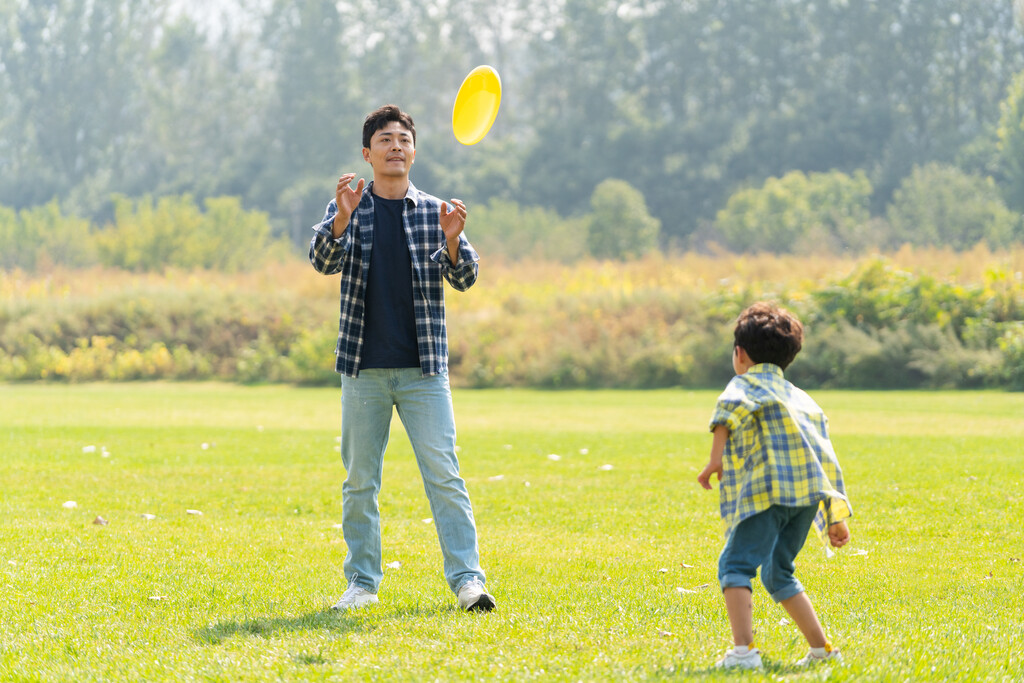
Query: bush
pixel 939 205
pixel 803 213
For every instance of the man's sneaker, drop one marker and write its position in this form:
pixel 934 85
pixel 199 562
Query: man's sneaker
pixel 830 655
pixel 472 596
pixel 354 598
pixel 751 659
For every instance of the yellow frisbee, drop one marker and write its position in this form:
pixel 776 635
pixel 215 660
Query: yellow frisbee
pixel 476 105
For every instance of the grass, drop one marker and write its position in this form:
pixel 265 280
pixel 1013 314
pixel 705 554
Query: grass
pixel 585 561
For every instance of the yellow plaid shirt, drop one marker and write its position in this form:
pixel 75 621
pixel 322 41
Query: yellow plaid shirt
pixel 778 452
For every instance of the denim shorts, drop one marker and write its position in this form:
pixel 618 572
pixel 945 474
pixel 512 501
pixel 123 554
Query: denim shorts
pixel 770 540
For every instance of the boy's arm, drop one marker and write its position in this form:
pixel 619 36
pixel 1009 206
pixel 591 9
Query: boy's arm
pixel 714 466
pixel 839 534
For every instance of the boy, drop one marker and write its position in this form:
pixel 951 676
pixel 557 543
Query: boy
pixel 779 475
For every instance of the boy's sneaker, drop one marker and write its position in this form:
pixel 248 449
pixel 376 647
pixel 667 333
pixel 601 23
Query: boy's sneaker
pixel 830 655
pixel 354 598
pixel 472 596
pixel 751 659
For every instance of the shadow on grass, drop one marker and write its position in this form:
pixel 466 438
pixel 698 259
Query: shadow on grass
pixel 325 620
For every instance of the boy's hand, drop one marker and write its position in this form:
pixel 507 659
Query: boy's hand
pixel 713 467
pixel 838 535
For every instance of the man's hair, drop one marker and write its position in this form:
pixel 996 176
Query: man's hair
pixel 380 118
pixel 769 334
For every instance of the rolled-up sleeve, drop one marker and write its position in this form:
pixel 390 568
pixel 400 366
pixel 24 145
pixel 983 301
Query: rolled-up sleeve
pixel 326 253
pixel 462 275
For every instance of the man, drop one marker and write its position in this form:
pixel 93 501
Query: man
pixel 393 245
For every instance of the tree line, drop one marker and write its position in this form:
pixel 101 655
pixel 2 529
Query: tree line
pixel 757 124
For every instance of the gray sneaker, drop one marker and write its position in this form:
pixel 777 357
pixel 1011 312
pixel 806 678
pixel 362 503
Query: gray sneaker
pixel 472 596
pixel 750 659
pixel 354 598
pixel 831 655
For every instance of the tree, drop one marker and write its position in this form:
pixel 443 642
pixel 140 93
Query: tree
pixel 940 205
pixel 797 212
pixel 620 226
pixel 1011 144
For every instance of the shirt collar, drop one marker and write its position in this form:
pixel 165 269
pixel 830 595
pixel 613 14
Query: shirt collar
pixel 411 194
pixel 766 369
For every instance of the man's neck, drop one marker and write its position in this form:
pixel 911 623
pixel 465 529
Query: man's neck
pixel 391 188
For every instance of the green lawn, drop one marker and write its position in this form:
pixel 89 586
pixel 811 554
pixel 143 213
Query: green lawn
pixel 586 561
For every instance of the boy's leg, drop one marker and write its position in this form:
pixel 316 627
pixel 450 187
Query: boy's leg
pixel 425 407
pixel 778 573
pixel 748 546
pixel 366 410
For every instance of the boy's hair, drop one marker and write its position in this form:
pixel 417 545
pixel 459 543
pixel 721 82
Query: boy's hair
pixel 376 120
pixel 769 334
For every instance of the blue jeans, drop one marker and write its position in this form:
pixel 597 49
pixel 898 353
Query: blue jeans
pixel 770 539
pixel 425 408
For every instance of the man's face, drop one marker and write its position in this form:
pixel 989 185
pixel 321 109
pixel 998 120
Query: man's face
pixel 391 151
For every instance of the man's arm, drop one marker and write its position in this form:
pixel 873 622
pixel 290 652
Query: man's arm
pixel 460 267
pixel 332 243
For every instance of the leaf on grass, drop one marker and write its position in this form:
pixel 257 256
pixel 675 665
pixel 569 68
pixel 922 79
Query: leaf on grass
pixel 497 477
pixel 428 520
pixel 665 634
pixel 337 526
pixel 157 597
pixel 99 521
pixel 702 587
pixel 584 451
pixel 146 515
pixel 783 622
pixel 205 446
pixel 88 449
pixel 69 505
pixel 685 566
pixel 554 457
pixel 605 468
pixel 663 570
pixel 394 565
pixel 681 590
pixel 858 552
pixel 193 512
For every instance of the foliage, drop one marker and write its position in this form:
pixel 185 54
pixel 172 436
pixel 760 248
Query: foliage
pixel 620 226
pixel 506 230
pixel 174 232
pixel 649 323
pixel 1011 143
pixel 688 101
pixel 797 212
pixel 43 236
pixel 941 205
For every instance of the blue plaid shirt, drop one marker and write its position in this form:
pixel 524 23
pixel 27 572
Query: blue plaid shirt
pixel 778 452
pixel 350 256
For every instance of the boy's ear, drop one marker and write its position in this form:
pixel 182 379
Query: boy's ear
pixel 744 357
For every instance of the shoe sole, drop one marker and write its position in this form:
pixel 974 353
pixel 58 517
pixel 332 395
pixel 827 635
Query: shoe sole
pixel 485 603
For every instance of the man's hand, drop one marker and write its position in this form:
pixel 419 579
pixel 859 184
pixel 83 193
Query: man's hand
pixel 347 200
pixel 838 534
pixel 453 223
pixel 713 467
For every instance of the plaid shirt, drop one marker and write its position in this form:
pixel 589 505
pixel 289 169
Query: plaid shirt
pixel 778 452
pixel 350 256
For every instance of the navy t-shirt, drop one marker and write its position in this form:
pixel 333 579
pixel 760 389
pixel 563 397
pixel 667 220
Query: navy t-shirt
pixel 390 322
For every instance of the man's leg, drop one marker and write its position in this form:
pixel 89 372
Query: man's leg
pixel 366 409
pixel 425 406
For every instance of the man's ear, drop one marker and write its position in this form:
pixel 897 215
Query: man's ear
pixel 366 155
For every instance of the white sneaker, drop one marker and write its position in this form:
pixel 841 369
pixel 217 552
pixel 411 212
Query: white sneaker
pixel 751 659
pixel 354 598
pixel 832 656
pixel 472 596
